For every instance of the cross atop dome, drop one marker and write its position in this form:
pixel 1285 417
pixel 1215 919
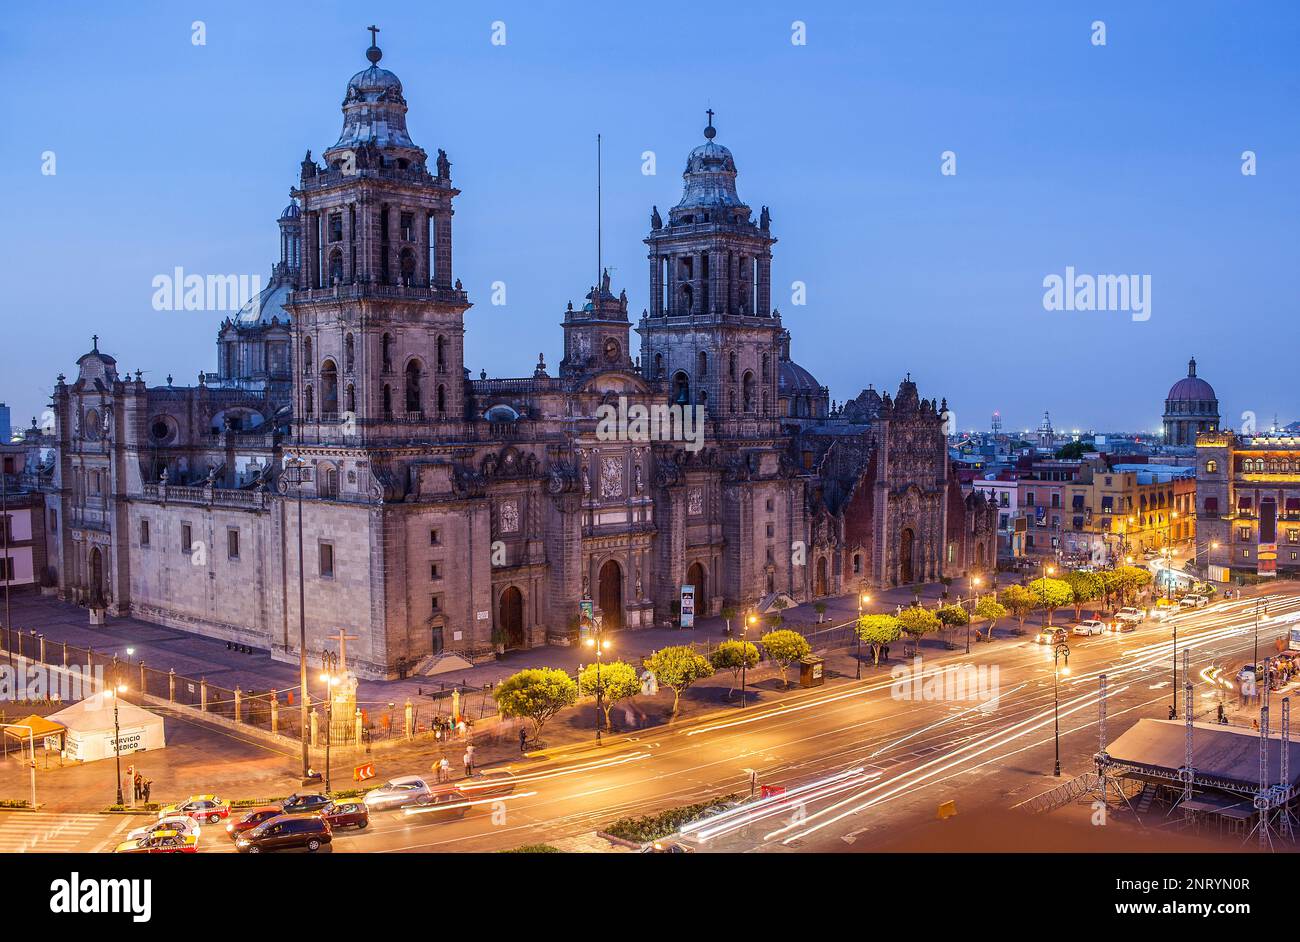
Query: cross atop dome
pixel 374 53
pixel 710 132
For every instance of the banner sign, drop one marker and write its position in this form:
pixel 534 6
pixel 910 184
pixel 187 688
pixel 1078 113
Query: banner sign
pixel 688 606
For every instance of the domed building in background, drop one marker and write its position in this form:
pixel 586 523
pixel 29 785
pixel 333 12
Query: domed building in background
pixel 1190 409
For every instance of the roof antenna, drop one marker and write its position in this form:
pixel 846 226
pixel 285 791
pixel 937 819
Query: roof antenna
pixel 600 262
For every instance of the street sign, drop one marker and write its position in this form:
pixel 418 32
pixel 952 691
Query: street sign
pixel 688 606
pixel 586 617
pixel 363 772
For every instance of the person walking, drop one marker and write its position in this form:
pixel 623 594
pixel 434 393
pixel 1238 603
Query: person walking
pixel 444 770
pixel 523 739
pixel 145 789
pixel 469 761
pixel 139 782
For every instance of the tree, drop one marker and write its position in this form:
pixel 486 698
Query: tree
pixel 1050 594
pixel 729 611
pixel 952 616
pixel 877 631
pixel 1019 601
pixel 918 622
pixel 732 656
pixel 536 694
pixel 820 609
pixel 1075 450
pixel 677 667
pixel 1130 579
pixel 990 608
pixel 1086 587
pixel 618 680
pixel 785 647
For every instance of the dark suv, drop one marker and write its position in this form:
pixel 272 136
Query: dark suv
pixel 286 832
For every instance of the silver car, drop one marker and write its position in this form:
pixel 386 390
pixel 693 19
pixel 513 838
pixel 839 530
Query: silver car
pixel 397 793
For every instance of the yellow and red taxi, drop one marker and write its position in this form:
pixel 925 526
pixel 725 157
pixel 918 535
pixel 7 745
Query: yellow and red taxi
pixel 160 842
pixel 208 808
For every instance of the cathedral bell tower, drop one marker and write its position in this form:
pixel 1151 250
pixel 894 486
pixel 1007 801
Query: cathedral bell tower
pixel 710 331
pixel 378 321
pixel 596 335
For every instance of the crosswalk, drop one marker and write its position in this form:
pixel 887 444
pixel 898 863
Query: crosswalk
pixel 44 832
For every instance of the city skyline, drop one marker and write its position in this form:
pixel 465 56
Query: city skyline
pixel 800 147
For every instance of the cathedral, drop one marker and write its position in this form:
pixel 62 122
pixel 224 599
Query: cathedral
pixel 342 445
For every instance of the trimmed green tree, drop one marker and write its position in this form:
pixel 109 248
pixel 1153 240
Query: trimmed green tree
pixel 785 647
pixel 1019 601
pixel 733 656
pixel 952 616
pixel 990 608
pixel 917 622
pixel 677 667
pixel 878 631
pixel 1050 594
pixel 617 681
pixel 1085 587
pixel 536 694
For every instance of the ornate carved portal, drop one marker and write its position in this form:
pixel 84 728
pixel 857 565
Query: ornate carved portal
pixel 906 548
pixel 510 618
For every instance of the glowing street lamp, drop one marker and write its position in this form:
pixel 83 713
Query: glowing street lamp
pixel 751 620
pixel 1062 650
pixel 601 645
pixel 115 693
pixel 863 599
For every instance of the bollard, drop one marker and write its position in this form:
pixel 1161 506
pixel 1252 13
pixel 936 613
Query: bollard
pixel 203 695
pixel 65 654
pixel 275 712
pixel 43 661
pixel 142 688
pixel 314 729
pixel 238 701
pixel 171 685
pixel 357 725
pixel 410 719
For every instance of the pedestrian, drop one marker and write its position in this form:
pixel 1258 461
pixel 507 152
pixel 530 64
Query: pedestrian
pixel 444 770
pixel 469 761
pixel 146 788
pixel 139 781
pixel 523 739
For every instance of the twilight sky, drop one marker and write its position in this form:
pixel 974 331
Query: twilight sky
pixel 1119 159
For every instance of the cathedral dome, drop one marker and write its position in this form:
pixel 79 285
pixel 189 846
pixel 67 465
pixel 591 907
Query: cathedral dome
pixel 374 114
pixel 291 211
pixel 1191 388
pixel 793 380
pixel 268 304
pixel 710 176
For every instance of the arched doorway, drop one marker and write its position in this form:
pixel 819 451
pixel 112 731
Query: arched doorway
pixel 96 576
pixel 329 388
pixel 979 555
pixel 822 586
pixel 906 545
pixel 510 617
pixel 611 595
pixel 695 576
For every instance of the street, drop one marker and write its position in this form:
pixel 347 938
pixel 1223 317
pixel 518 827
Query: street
pixel 858 766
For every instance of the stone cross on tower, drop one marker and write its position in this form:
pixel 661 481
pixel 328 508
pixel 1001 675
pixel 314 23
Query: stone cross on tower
pixel 343 640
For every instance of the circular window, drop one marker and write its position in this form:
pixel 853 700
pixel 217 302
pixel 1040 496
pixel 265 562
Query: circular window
pixel 160 429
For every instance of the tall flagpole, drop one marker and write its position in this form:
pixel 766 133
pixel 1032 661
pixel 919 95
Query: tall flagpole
pixel 600 265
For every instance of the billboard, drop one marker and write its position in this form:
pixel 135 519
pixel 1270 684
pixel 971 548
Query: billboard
pixel 688 606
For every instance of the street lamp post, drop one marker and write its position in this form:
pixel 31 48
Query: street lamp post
pixel 1047 571
pixel 596 641
pixel 750 619
pixel 863 599
pixel 117 692
pixel 8 571
pixel 295 467
pixel 330 661
pixel 974 603
pixel 1061 650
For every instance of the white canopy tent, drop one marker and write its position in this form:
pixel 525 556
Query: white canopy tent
pixel 89 726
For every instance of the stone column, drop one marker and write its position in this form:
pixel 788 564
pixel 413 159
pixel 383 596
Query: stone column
pixel 171 685
pixel 275 712
pixel 410 720
pixel 315 727
pixel 203 695
pixel 239 696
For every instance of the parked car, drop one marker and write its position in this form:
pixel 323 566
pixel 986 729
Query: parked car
pixel 1193 601
pixel 309 832
pixel 346 814
pixel 180 823
pixel 1089 627
pixel 395 793
pixel 1130 616
pixel 447 805
pixel 492 784
pixel 250 819
pixel 304 804
pixel 208 808
pixel 1051 636
pixel 164 842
